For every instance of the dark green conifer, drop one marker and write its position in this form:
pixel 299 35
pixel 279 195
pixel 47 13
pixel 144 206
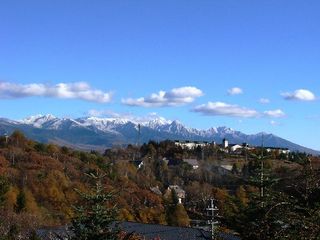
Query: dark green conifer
pixel 4 187
pixel 95 218
pixel 21 202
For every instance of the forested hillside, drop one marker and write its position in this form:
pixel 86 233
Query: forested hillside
pixel 38 183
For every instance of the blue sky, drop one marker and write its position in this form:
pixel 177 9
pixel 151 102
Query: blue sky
pixel 213 61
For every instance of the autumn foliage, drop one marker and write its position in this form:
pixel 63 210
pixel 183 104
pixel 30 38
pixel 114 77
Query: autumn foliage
pixel 38 182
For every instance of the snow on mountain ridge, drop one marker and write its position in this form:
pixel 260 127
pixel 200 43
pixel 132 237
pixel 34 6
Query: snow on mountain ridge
pixel 32 119
pixel 103 124
pixel 111 124
pixel 105 131
pixel 104 121
pixel 38 120
pixel 156 123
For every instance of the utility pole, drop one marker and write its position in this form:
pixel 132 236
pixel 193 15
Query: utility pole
pixel 246 149
pixel 6 137
pixel 262 174
pixel 202 153
pixel 139 134
pixel 138 143
pixel 212 222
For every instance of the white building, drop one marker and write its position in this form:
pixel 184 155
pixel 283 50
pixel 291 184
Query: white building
pixel 225 143
pixel 138 163
pixel 280 150
pixel 235 147
pixel 284 151
pixel 190 144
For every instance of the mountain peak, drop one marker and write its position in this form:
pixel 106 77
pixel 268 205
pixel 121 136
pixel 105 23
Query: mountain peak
pixel 157 122
pixel 38 120
pixel 98 132
pixel 176 122
pixel 38 116
pixel 263 134
pixel 225 129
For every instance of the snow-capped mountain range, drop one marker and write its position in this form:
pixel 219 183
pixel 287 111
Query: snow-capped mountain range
pixel 99 133
pixel 112 125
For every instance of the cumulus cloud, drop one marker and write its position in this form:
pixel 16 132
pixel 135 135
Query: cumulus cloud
pixel 77 90
pixel 225 109
pixel 264 100
pixel 300 95
pixel 174 97
pixel 235 91
pixel 278 113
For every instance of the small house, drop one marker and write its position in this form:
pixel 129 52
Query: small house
pixel 192 162
pixel 137 163
pixel 156 190
pixel 181 194
pixel 235 147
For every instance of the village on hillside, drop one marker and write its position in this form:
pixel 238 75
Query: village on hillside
pixel 164 190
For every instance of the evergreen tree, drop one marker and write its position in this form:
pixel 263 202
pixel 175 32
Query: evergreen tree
pixel 180 216
pixel 259 220
pixel 278 212
pixel 94 219
pixel 21 202
pixel 4 187
pixel 260 176
pixel 176 213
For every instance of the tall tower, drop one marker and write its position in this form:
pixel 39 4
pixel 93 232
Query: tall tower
pixel 225 143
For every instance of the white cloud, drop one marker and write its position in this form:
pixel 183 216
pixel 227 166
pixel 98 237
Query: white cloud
pixel 274 123
pixel 224 109
pixel 235 91
pixel 278 113
pixel 174 97
pixel 300 94
pixel 264 100
pixel 77 90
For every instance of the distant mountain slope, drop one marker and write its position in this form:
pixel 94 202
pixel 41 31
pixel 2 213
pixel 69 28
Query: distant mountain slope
pixel 100 133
